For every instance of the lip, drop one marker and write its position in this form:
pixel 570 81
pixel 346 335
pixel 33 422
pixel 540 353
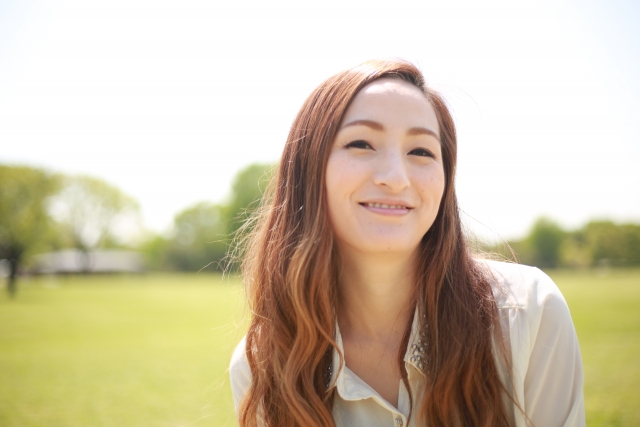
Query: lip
pixel 387 207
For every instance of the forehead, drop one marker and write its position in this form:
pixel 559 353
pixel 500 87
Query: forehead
pixel 390 99
pixel 392 85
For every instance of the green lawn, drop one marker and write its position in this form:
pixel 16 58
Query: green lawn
pixel 119 351
pixel 153 350
pixel 605 307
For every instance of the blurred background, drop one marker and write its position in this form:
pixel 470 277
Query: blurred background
pixel 137 136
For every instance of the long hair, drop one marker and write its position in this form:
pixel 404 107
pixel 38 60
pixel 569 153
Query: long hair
pixel 290 271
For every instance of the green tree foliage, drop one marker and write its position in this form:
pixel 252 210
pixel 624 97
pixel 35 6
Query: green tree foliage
pixel 613 244
pixel 25 227
pixel 544 241
pixel 92 213
pixel 598 243
pixel 200 240
pixel 574 252
pixel 246 193
pixel 203 233
pixel 156 249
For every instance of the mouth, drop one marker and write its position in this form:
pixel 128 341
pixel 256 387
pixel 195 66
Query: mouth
pixel 386 206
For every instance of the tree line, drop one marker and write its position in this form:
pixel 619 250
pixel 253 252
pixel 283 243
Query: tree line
pixel 203 234
pixel 600 243
pixel 41 211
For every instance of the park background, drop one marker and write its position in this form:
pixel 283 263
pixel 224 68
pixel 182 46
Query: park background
pixel 149 130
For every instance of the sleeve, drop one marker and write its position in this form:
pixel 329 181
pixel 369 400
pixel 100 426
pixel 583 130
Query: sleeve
pixel 553 382
pixel 240 374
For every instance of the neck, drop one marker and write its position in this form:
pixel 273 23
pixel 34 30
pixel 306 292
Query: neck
pixel 375 295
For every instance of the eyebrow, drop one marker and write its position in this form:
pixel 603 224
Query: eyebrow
pixel 378 126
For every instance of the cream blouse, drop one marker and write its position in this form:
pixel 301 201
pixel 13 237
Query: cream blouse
pixel 546 373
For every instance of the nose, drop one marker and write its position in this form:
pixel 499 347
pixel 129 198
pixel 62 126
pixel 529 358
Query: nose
pixel 391 171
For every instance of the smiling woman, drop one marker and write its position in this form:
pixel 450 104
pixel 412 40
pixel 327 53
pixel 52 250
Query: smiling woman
pixel 368 307
pixel 385 176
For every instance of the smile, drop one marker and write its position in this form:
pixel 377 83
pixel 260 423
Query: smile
pixel 384 206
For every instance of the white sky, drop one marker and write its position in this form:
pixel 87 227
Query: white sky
pixel 168 100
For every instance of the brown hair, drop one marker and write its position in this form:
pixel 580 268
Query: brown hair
pixel 291 278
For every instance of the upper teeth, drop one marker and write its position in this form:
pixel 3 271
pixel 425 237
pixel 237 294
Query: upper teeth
pixel 385 206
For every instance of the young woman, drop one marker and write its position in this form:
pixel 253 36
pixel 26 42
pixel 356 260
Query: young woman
pixel 368 308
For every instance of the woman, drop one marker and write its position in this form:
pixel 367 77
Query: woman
pixel 367 307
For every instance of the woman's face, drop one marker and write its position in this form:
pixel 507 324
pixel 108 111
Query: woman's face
pixel 385 176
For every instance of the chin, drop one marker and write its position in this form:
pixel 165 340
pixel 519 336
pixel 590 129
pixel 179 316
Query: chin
pixel 390 247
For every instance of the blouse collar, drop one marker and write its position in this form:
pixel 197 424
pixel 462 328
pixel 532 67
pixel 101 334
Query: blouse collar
pixel 348 384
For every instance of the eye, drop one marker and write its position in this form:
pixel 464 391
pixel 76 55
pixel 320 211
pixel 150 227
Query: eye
pixel 364 145
pixel 421 152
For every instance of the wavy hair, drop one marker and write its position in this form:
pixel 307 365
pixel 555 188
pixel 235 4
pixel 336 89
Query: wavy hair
pixel 290 271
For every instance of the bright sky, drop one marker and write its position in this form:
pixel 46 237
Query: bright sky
pixel 168 100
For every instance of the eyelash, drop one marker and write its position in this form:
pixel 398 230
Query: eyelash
pixel 422 152
pixel 360 144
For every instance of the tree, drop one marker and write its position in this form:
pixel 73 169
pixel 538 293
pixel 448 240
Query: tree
pixel 156 252
pixel 610 243
pixel 200 238
pixel 93 213
pixel 574 252
pixel 25 226
pixel 203 232
pixel 246 193
pixel 630 234
pixel 545 240
pixel 598 243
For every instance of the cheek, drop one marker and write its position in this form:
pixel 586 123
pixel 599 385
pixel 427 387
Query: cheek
pixel 334 180
pixel 343 176
pixel 432 185
pixel 332 177
pixel 344 179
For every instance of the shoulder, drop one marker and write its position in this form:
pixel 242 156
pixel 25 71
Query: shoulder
pixel 528 297
pixel 546 365
pixel 239 373
pixel 239 357
pixel 533 311
pixel 521 286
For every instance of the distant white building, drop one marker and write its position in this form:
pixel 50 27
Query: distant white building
pixel 98 261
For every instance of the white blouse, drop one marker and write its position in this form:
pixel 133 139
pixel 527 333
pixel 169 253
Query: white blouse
pixel 546 373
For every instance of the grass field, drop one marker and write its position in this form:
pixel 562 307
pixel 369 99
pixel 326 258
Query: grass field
pixel 153 350
pixel 119 351
pixel 606 312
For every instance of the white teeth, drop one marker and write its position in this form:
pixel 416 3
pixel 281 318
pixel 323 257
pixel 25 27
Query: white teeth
pixel 385 206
